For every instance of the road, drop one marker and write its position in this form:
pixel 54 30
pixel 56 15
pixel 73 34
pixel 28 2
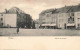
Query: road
pixel 38 32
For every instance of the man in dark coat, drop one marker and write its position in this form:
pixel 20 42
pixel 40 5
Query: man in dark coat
pixel 17 30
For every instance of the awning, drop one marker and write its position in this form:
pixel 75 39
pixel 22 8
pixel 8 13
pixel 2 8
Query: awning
pixel 71 24
pixel 45 24
pixel 52 24
pixel 48 25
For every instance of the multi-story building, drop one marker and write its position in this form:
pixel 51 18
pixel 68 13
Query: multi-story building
pixel 67 17
pixel 15 17
pixel 61 20
pixel 48 21
pixel 8 20
pixel 77 19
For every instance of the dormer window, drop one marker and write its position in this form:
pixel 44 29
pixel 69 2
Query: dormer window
pixel 72 14
pixel 47 15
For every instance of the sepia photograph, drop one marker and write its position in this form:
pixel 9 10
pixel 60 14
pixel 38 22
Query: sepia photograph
pixel 39 24
pixel 39 17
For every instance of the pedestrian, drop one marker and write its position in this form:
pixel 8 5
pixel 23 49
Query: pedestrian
pixel 17 30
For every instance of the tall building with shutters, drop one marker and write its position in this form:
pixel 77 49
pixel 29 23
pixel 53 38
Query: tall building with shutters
pixel 67 17
pixel 15 17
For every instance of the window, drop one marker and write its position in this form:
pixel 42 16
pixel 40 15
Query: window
pixel 78 14
pixel 72 14
pixel 71 20
pixel 78 19
pixel 59 25
pixel 52 22
pixel 1 19
pixel 1 23
pixel 43 19
pixel 68 14
pixel 60 20
pixel 43 22
pixel 78 25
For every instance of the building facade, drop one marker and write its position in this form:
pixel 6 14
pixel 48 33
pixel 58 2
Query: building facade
pixel 67 17
pixel 15 17
pixel 8 20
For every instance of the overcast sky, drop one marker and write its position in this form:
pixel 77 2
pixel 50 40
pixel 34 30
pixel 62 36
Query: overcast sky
pixel 34 7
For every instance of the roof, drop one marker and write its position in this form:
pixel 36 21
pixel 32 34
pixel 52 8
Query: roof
pixel 46 11
pixel 12 10
pixel 65 9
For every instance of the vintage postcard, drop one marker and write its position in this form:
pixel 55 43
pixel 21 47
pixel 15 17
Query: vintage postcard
pixel 39 24
pixel 39 18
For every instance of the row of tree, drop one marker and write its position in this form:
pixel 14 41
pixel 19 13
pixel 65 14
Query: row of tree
pixel 25 21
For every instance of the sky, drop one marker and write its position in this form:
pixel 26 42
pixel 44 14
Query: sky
pixel 34 7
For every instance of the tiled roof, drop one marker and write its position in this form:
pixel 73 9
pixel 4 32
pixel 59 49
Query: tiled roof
pixel 65 9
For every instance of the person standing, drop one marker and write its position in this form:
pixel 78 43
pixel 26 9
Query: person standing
pixel 17 30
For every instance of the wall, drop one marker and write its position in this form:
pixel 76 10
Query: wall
pixel 61 20
pixel 45 19
pixel 77 19
pixel 9 20
pixel 54 18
